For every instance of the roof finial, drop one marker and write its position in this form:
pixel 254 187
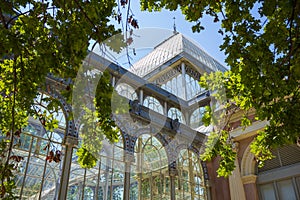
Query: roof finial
pixel 174 26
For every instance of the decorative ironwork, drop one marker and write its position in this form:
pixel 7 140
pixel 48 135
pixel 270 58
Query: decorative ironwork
pixel 175 124
pixel 135 106
pixel 168 75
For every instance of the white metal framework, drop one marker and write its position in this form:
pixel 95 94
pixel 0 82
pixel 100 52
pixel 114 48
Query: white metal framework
pixel 156 156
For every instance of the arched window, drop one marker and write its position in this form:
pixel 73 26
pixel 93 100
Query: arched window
pixel 153 104
pixel 175 113
pixel 152 167
pixel 126 90
pixel 190 180
pixel 103 181
pixel 196 117
pixel 38 172
pixel 43 103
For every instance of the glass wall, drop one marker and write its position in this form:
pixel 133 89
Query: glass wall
pixel 40 154
pixel 174 86
pixel 184 85
pixel 103 182
pixel 42 167
pixel 190 183
pixel 196 117
pixel 152 169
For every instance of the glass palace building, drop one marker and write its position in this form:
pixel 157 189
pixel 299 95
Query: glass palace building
pixel 161 140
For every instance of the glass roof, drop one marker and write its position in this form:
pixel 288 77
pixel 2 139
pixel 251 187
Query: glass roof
pixel 169 49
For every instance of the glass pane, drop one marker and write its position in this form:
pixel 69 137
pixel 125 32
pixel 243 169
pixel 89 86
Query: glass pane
pixel 196 117
pixel 286 190
pixel 267 191
pixel 153 104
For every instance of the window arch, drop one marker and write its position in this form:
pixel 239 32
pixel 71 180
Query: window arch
pixel 196 117
pixel 42 104
pixel 153 104
pixel 39 171
pixel 152 168
pixel 175 113
pixel 191 180
pixel 126 90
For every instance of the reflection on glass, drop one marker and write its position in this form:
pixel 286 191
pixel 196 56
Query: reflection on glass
pixel 153 104
pixel 175 113
pixel 126 90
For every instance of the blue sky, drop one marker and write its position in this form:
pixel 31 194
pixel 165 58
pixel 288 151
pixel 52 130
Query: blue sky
pixel 209 39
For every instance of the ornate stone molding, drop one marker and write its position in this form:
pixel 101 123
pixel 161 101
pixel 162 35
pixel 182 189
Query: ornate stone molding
pixel 247 163
pixel 237 191
pixel 240 133
pixel 249 179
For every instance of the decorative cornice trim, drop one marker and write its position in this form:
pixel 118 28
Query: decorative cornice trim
pixel 241 133
pixel 249 179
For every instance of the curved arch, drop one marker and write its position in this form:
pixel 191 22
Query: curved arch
pixel 153 104
pixel 42 105
pixel 71 126
pixel 126 90
pixel 152 166
pixel 194 150
pixel 181 147
pixel 248 163
pixel 147 145
pixel 175 113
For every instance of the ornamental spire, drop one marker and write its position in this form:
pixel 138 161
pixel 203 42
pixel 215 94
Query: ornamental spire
pixel 174 26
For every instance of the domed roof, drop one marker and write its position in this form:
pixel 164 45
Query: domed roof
pixel 176 45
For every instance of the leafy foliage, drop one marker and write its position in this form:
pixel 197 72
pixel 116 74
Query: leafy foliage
pixel 7 184
pixel 97 122
pixel 85 158
pixel 38 38
pixel 262 44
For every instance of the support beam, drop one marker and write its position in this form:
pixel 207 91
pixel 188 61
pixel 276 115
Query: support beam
pixel 128 159
pixel 70 143
pixel 183 80
pixel 141 98
pixel 173 173
pixel 172 187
